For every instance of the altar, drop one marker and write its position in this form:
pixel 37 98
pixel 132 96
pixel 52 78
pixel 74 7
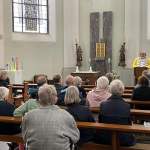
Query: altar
pixel 88 77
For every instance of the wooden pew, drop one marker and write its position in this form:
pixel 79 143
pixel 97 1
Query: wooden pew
pixel 144 114
pixel 135 103
pixel 128 91
pixel 11 138
pixel 129 87
pixel 114 128
pixel 127 95
pixel 17 101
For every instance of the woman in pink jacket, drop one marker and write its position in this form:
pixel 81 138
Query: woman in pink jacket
pixel 100 93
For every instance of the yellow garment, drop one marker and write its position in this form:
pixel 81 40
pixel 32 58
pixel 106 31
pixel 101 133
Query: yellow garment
pixel 136 62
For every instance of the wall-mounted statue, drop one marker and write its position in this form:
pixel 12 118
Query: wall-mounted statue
pixel 79 55
pixel 122 60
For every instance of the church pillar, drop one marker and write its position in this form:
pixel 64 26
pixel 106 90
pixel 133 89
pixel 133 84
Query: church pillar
pixel 132 29
pixel 71 32
pixel 1 35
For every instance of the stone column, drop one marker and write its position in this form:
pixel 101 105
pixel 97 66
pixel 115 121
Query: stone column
pixel 1 35
pixel 71 32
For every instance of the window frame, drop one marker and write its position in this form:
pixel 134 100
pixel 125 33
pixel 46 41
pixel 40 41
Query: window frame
pixel 23 17
pixel 36 37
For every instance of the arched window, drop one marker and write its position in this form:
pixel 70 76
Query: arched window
pixel 30 16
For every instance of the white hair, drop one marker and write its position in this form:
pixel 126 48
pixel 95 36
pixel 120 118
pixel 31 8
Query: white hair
pixel 4 92
pixel 117 87
pixel 72 95
pixel 77 81
pixel 102 82
pixel 47 95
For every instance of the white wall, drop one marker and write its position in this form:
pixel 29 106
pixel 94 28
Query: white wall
pixel 71 31
pixel 37 57
pixel 144 40
pixel 1 36
pixel 132 29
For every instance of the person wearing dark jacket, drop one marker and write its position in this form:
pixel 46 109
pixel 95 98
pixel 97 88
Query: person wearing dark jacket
pixel 79 112
pixel 115 110
pixel 142 92
pixel 57 80
pixel 7 109
pixel 33 91
pixel 4 80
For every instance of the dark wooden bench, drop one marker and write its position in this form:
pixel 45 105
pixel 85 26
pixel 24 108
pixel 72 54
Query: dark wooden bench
pixel 135 113
pixel 11 138
pixel 114 128
pixel 135 103
pixel 129 87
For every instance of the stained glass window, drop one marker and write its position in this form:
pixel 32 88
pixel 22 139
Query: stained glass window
pixel 30 16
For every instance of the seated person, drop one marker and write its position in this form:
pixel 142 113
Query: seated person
pixel 78 83
pixel 33 92
pixel 33 102
pixel 7 109
pixel 100 93
pixel 142 91
pixel 4 80
pixel 146 73
pixel 49 127
pixel 79 112
pixel 68 82
pixel 57 80
pixel 115 110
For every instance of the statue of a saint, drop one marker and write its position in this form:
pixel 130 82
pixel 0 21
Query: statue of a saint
pixel 79 55
pixel 122 56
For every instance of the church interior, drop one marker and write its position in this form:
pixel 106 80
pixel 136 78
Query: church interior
pixel 48 40
pixel 69 24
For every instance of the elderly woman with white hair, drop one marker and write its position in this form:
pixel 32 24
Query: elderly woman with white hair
pixel 79 112
pixel 100 93
pixel 115 110
pixel 7 109
pixel 49 127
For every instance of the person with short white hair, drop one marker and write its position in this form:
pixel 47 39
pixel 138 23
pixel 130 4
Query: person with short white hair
pixel 116 87
pixel 49 127
pixel 115 110
pixel 4 92
pixel 7 109
pixel 79 112
pixel 100 93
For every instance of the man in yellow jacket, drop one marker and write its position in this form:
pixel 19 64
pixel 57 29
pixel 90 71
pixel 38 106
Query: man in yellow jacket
pixel 141 61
